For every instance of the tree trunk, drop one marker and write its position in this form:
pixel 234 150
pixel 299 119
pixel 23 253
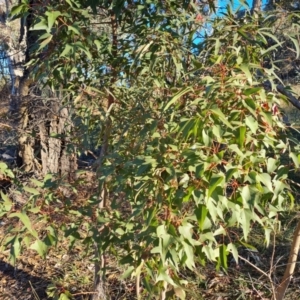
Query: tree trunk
pixel 256 6
pixel 43 123
pixel 289 271
pixel 55 152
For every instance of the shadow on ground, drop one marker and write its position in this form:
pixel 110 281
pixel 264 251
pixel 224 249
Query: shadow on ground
pixel 17 284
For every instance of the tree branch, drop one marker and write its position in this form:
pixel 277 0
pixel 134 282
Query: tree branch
pixel 291 98
pixel 280 88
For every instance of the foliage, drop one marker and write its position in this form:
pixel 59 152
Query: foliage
pixel 194 140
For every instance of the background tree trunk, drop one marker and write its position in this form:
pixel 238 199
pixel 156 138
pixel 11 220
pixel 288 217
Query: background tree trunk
pixel 256 6
pixel 43 124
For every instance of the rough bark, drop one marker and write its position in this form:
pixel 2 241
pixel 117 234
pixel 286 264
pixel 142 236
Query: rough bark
pixel 54 129
pixel 47 150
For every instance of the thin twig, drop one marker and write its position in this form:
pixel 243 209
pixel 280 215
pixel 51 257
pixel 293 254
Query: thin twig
pixel 5 125
pixel 83 293
pixel 34 292
pixel 254 266
pixel 272 262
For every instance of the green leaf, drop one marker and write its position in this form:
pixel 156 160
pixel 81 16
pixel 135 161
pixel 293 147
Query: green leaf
pixel 3 166
pixel 233 250
pixel 18 9
pixel 218 113
pixel 282 173
pixel 266 179
pixel 128 272
pixel 37 182
pixel 180 293
pixel 189 253
pixel 98 44
pixel 251 91
pixel 245 69
pixel 271 165
pixel 245 220
pixel 45 42
pixel 214 182
pixel 246 195
pixel 177 96
pixel 163 276
pixel 7 202
pixel 268 117
pixel 217 47
pixel 42 25
pixel 31 190
pixel 15 250
pixel 40 247
pixel 223 256
pixel 65 296
pixel 75 30
pixel 267 235
pixel 68 48
pixel 296 44
pixel 26 221
pixel 201 213
pixel 52 16
pixel 241 136
pixel 206 138
pixel 252 124
pixel 83 48
pixel 295 158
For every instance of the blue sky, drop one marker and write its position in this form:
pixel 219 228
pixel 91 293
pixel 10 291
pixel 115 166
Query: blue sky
pixel 221 8
pixel 236 4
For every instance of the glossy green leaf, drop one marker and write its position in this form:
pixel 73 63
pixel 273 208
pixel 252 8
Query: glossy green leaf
pixel 201 213
pixel 241 136
pixel 223 256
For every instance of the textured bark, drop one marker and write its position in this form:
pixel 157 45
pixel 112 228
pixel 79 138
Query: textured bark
pixel 54 140
pixel 40 152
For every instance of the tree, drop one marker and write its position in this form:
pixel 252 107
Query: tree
pixel 191 140
pixel 43 120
